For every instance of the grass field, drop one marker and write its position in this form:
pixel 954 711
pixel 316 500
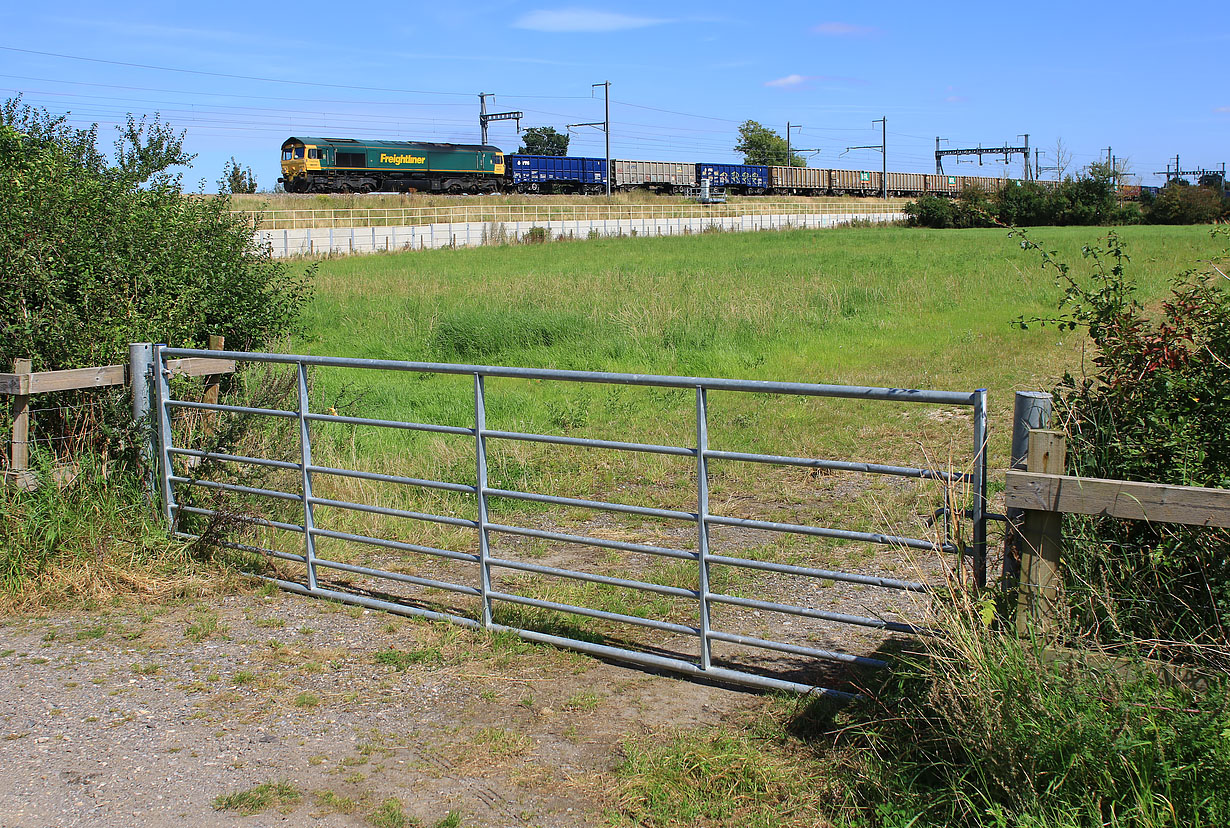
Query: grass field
pixel 878 306
pixel 864 306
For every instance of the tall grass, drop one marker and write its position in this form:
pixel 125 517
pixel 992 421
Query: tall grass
pixel 91 537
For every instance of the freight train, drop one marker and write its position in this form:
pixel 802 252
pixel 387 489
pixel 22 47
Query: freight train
pixel 344 165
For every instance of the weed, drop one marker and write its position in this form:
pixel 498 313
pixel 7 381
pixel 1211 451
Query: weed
pixel 583 700
pixel 244 678
pixel 307 700
pixel 149 669
pixel 502 742
pixel 205 625
pixel 405 659
pixel 91 633
pixel 335 802
pixel 452 820
pixel 281 795
pixel 270 623
pixel 391 815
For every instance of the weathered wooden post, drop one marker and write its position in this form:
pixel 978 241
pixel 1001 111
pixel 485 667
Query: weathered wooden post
pixel 19 446
pixel 212 381
pixel 1041 543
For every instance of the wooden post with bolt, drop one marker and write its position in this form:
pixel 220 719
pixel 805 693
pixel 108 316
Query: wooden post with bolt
pixel 1041 543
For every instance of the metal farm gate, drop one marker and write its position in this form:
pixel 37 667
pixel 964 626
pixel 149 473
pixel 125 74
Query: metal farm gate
pixel 478 578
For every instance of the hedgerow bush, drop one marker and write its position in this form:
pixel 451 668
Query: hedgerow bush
pixel 1085 200
pixel 1156 409
pixel 97 256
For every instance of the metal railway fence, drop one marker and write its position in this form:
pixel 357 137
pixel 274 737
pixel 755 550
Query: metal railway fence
pixel 176 463
pixel 478 213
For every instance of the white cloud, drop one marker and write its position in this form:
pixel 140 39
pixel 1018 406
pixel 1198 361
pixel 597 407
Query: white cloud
pixel 583 20
pixel 836 29
pixel 789 80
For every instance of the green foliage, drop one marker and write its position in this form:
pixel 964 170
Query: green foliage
pixel 84 540
pixel 1181 203
pixel 761 145
pixel 971 209
pixel 147 150
pixel 1155 410
pixel 987 730
pixel 1087 200
pixel 281 795
pixel 94 262
pixel 544 141
pixel 236 179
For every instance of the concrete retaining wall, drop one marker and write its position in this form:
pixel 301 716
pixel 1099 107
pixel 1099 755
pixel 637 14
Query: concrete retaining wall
pixel 345 240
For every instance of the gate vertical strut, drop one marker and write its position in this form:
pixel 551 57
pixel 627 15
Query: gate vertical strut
pixel 480 454
pixel 305 463
pixel 702 520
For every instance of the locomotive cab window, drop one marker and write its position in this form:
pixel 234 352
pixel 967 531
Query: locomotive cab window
pixel 313 153
pixel 298 152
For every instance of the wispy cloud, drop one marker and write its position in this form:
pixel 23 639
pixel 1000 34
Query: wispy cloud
pixel 793 81
pixel 583 20
pixel 1221 109
pixel 953 96
pixel 789 80
pixel 837 29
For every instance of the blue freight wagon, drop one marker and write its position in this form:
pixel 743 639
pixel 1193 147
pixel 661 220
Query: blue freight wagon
pixel 740 178
pixel 556 173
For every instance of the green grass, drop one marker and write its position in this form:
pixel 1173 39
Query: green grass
pixel 281 795
pixel 877 306
pixel 892 306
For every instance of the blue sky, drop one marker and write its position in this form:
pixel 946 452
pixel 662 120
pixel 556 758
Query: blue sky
pixel 1147 80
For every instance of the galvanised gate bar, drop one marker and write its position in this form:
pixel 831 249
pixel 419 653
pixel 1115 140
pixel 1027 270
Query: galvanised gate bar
pixel 480 586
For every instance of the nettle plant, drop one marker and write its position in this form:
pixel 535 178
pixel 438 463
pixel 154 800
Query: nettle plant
pixel 1157 408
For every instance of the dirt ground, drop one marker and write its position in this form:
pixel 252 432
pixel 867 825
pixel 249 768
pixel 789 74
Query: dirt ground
pixel 144 716
pixel 137 716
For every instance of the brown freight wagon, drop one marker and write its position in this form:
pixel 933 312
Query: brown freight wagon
pixel 798 181
pixel 855 182
pixel 658 175
pixel 903 184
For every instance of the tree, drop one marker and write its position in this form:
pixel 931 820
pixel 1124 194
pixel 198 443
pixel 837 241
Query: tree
pixel 544 141
pixel 236 179
pixel 1063 159
pixel 143 151
pixel 95 259
pixel 761 145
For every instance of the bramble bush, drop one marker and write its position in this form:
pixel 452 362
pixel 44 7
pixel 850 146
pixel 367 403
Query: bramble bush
pixel 1156 410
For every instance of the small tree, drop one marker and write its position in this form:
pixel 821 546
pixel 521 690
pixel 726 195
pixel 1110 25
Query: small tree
pixel 236 179
pixel 761 145
pixel 544 141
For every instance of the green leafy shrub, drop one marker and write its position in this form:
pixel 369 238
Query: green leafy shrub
pixel 94 259
pixel 1155 410
pixel 986 730
pixel 1181 203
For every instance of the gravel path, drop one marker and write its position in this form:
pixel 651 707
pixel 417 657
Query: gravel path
pixel 136 717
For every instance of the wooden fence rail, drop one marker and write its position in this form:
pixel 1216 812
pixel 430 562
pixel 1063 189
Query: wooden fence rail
pixel 21 383
pixel 1044 493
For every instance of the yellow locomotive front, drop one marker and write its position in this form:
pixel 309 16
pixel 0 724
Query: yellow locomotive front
pixel 298 159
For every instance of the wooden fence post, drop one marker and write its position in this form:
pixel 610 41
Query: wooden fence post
pixel 1041 542
pixel 19 447
pixel 216 343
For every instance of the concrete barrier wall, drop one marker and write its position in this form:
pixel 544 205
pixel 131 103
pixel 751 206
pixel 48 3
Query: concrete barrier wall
pixel 345 240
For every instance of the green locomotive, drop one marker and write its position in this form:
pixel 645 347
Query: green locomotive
pixel 344 165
